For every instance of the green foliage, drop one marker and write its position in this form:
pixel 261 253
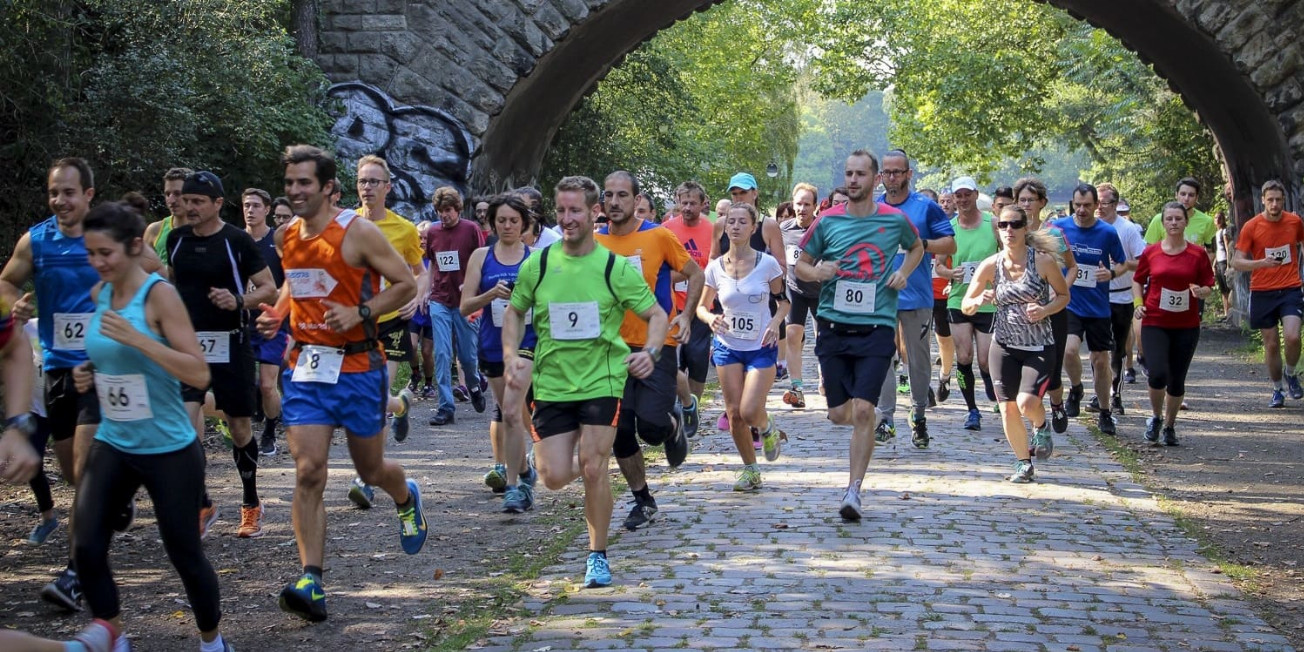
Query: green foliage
pixel 137 86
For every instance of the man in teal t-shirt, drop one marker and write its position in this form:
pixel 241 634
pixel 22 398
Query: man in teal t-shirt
pixel 850 250
pixel 579 293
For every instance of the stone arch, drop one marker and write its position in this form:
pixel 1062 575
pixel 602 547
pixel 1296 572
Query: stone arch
pixel 512 70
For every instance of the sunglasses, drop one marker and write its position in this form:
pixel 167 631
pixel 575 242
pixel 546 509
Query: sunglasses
pixel 1012 225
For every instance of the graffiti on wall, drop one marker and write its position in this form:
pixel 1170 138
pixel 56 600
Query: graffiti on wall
pixel 425 147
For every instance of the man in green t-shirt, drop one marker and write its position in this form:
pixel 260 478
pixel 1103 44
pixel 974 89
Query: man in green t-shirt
pixel 579 293
pixel 1200 228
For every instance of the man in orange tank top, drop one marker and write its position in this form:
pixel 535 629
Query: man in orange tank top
pixel 334 261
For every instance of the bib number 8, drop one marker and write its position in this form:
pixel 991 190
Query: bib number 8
pixel 314 360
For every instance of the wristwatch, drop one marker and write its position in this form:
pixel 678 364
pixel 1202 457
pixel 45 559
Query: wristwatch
pixel 654 353
pixel 24 423
pixel 364 311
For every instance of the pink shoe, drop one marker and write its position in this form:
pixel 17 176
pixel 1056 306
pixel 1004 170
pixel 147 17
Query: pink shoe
pixel 722 424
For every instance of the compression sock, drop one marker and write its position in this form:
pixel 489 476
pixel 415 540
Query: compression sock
pixel 246 462
pixel 966 385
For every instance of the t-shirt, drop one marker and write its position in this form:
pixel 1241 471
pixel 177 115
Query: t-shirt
pixel 862 246
pixel 746 301
pixel 547 236
pixel 656 252
pixel 1168 300
pixel 697 242
pixel 1092 246
pixel 931 223
pixel 972 246
pixel 227 260
pixel 405 238
pixel 449 249
pixel 793 232
pixel 1200 228
pixel 1261 239
pixel 580 354
pixel 1120 289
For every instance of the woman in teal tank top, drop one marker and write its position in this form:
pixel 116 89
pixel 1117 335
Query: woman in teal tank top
pixel 141 346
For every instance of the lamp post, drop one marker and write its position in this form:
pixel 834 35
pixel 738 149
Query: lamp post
pixel 772 171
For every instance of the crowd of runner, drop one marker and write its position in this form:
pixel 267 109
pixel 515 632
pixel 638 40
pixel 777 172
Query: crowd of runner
pixel 593 330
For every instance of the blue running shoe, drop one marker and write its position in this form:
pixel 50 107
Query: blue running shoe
pixel 1292 384
pixel 305 598
pixel 412 521
pixel 496 478
pixel 974 421
pixel 402 423
pixel 361 494
pixel 518 499
pixel 42 531
pixel 1278 399
pixel 599 571
pixel 530 479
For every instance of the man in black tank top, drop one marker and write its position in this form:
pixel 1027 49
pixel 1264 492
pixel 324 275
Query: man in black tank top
pixel 268 353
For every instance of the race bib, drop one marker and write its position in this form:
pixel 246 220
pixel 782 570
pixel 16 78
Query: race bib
pixel 681 286
pixel 969 269
pixel 498 308
pixel 1280 254
pixel 855 298
pixel 1178 301
pixel 70 330
pixel 448 261
pixel 318 364
pixel 309 283
pixel 1086 277
pixel 216 346
pixel 575 321
pixel 794 253
pixel 743 324
pixel 636 262
pixel 123 397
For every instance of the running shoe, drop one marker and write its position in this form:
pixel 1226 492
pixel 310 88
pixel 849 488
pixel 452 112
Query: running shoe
pixel 460 394
pixel 943 390
pixel 477 400
pixel 795 398
pixel 677 445
pixel 932 397
pixel 885 431
pixel 1106 423
pixel 641 514
pixel 780 372
pixel 414 385
pixel 496 478
pixel 1292 384
pixel 1073 406
pixel 903 384
pixel 361 494
pixel 402 419
pixel 530 476
pixel 98 636
pixel 443 419
pixel 1059 419
pixel 484 383
pixel 974 421
pixel 1117 404
pixel 722 424
pixel 919 433
pixel 207 517
pixel 518 499
pixel 224 430
pixel 1094 405
pixel 1023 472
pixel 251 522
pixel 770 441
pixel 305 598
pixel 429 392
pixel 597 572
pixel 1278 399
pixel 1152 430
pixel 267 443
pixel 850 509
pixel 1042 444
pixel 1170 436
pixel 64 591
pixel 691 419
pixel 42 531
pixel 1129 376
pixel 412 521
pixel 749 479
pixel 126 517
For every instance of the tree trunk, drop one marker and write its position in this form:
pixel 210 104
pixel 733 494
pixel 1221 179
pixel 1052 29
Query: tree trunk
pixel 303 19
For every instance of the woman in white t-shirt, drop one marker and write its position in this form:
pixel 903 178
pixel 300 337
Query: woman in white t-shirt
pixel 746 343
pixel 1222 273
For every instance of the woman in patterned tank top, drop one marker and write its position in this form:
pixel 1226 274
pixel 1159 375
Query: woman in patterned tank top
pixel 1022 274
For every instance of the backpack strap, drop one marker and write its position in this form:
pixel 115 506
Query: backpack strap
pixel 543 267
pixel 611 264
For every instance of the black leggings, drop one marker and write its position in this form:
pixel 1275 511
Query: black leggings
pixel 1168 356
pixel 40 483
pixel 1120 318
pixel 1059 327
pixel 175 482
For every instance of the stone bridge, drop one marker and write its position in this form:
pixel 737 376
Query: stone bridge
pixel 492 80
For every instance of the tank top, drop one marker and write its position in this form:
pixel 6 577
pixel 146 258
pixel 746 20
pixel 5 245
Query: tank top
pixel 160 242
pixel 140 402
pixel 1012 328
pixel 1220 252
pixel 491 323
pixel 267 247
pixel 63 277
pixel 972 246
pixel 315 270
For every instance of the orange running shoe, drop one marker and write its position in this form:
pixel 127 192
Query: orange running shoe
pixel 207 517
pixel 251 522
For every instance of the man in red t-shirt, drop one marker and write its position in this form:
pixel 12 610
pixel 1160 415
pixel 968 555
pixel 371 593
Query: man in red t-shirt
pixel 449 244
pixel 694 232
pixel 1269 248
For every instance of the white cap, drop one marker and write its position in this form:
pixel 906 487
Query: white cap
pixel 964 183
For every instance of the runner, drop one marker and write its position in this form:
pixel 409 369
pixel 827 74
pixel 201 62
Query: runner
pixel 581 357
pixel 281 212
pixel 1120 291
pixel 333 265
pixel 267 353
pixel 449 245
pixel 975 241
pixel 746 338
pixel 40 483
pixel 1221 272
pixel 650 408
pixel 803 296
pixel 1200 229
pixel 490 276
pixel 142 348
pixel 1169 273
pixel 156 234
pixel 1099 252
pixel 212 263
pixel 52 255
pixel 915 301
pixel 423 383
pixel 858 306
pixel 1022 275
pixel 1268 248
pixel 694 232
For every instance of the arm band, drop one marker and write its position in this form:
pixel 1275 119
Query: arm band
pixel 780 297
pixel 1137 302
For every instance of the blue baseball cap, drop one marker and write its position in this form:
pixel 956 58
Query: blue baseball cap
pixel 743 180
